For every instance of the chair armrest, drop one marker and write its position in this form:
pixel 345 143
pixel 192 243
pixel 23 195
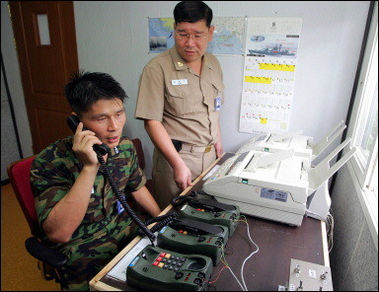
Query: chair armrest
pixel 44 253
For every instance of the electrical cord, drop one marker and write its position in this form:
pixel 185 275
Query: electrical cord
pixel 160 225
pixel 180 200
pixel 227 266
pixel 329 223
pixel 254 252
pixel 160 218
pixel 330 229
pixel 163 221
pixel 223 260
pixel 123 202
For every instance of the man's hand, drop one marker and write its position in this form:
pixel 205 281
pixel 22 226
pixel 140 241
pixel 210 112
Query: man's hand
pixel 83 145
pixel 182 176
pixel 219 149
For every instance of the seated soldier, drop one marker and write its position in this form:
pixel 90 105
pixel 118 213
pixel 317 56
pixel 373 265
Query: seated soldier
pixel 77 208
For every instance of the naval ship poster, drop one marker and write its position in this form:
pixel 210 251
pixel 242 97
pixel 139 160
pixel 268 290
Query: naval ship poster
pixel 269 74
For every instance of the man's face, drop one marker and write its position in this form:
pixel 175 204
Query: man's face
pixel 107 119
pixel 191 39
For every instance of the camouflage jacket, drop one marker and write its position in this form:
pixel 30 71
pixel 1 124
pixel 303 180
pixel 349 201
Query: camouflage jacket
pixel 56 168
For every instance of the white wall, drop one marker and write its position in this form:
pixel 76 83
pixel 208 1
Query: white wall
pixel 112 37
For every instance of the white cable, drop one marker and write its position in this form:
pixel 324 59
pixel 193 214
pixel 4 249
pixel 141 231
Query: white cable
pixel 235 277
pixel 244 287
pixel 330 229
pixel 254 252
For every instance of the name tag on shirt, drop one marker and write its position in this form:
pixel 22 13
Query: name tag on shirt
pixel 120 207
pixel 179 82
pixel 217 103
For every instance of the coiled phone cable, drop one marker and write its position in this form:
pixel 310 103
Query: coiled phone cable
pixel 123 202
pixel 162 220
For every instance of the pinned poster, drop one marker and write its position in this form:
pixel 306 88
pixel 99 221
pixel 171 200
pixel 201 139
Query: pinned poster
pixel 272 46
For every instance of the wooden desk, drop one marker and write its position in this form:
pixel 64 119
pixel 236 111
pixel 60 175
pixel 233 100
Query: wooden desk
pixel 267 269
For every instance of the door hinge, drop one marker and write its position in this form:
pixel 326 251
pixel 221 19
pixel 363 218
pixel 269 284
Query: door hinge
pixel 9 11
pixel 10 17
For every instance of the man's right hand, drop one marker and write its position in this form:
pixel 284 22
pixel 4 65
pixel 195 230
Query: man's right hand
pixel 83 146
pixel 182 176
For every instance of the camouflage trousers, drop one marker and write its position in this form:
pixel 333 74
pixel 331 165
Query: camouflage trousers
pixel 91 253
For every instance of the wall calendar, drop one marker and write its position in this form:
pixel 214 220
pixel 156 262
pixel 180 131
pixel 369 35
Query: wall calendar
pixel 269 74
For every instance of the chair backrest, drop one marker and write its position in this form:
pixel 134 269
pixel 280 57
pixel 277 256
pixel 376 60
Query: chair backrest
pixel 19 176
pixel 141 160
pixel 141 157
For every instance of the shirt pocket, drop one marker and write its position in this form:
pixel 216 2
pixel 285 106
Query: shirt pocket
pixel 180 100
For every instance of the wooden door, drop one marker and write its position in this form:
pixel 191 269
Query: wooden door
pixel 46 46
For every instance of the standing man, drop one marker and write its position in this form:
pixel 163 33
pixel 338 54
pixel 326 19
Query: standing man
pixel 179 99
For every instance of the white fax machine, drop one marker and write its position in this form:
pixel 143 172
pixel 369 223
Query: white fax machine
pixel 278 184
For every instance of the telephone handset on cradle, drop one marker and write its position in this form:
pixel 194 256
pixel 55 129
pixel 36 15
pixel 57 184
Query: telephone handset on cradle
pixel 192 236
pixel 73 122
pixel 200 206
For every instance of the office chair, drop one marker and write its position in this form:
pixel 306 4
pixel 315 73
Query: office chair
pixel 50 261
pixel 141 160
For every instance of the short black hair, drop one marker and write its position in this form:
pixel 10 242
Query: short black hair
pixel 85 88
pixel 192 11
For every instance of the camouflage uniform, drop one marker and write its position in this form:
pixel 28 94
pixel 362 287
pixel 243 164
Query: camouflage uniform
pixel 103 231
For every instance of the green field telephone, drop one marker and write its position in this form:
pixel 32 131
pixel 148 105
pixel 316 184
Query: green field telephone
pixel 157 269
pixel 190 236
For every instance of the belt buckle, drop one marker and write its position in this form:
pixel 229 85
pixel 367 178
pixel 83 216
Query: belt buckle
pixel 208 148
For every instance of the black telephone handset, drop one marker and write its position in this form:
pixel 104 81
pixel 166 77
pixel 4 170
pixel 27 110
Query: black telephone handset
pixel 196 227
pixel 73 122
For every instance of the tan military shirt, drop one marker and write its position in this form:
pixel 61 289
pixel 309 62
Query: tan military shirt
pixel 187 104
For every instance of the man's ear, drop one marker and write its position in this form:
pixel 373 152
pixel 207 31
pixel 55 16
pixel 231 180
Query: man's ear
pixel 210 33
pixel 75 114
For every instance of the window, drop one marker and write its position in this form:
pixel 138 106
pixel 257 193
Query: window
pixel 363 129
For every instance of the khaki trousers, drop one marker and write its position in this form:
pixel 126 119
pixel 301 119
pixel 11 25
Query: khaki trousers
pixel 165 188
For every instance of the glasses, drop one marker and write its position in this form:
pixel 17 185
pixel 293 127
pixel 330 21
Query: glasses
pixel 199 37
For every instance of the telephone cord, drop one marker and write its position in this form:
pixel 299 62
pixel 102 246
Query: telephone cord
pixel 180 200
pixel 123 202
pixel 162 220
